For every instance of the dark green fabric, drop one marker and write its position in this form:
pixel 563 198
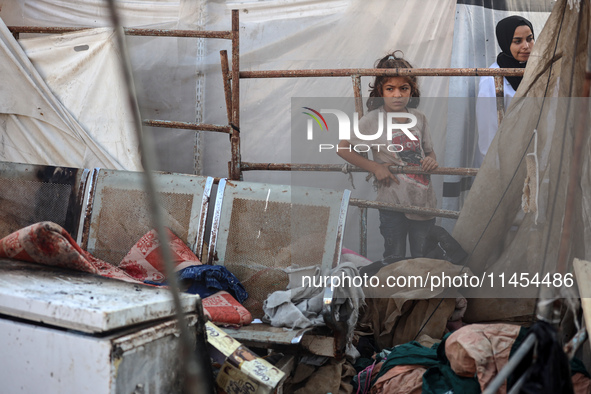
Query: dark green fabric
pixel 410 353
pixel 362 363
pixel 439 377
pixel 577 365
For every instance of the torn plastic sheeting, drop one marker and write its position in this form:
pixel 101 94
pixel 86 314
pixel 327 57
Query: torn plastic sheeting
pixel 36 127
pixel 82 69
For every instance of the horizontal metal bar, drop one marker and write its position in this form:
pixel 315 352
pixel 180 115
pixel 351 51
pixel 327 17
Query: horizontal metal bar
pixel 187 126
pixel 443 213
pixel 347 72
pixel 350 168
pixel 129 31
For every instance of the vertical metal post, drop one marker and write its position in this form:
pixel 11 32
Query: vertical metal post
pixel 195 381
pixel 357 91
pixel 358 101
pixel 235 172
pixel 363 231
pixel 499 90
pixel 227 87
pixel 362 211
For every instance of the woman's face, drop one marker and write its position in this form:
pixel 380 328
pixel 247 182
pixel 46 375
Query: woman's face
pixel 522 43
pixel 396 92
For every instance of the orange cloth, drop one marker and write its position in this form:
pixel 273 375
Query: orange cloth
pixel 481 349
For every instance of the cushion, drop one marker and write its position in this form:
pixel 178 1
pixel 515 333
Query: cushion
pixel 144 260
pixel 222 308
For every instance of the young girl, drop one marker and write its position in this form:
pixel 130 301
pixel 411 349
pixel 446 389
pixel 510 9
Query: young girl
pixel 397 94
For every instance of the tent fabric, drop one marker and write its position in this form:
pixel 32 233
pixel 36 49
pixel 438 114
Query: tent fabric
pixel 400 314
pixel 475 45
pixel 168 71
pixel 35 126
pixel 491 228
pixel 180 78
pixel 82 69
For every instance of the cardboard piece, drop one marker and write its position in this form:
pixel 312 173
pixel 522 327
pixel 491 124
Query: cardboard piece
pixel 242 370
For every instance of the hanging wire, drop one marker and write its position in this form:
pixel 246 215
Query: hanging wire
pixel 195 381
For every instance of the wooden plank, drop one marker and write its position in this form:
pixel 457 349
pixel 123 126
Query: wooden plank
pixel 266 336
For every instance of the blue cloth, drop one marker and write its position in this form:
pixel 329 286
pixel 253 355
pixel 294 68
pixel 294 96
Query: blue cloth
pixel 209 279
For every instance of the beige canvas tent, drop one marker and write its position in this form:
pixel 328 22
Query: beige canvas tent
pixel 539 127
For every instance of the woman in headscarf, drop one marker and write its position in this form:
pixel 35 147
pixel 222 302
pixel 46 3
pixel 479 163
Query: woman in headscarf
pixel 515 36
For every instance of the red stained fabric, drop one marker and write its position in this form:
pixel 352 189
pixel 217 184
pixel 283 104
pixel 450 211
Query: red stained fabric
pixel 49 244
pixel 225 309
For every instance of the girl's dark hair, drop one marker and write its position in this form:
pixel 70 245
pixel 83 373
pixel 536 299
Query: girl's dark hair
pixel 392 60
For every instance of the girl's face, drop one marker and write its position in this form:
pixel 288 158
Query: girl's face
pixel 396 92
pixel 522 44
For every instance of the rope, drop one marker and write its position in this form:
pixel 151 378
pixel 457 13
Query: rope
pixel 346 169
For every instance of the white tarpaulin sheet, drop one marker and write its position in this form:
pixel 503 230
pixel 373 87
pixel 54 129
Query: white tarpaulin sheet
pixel 167 79
pixel 82 70
pixel 35 126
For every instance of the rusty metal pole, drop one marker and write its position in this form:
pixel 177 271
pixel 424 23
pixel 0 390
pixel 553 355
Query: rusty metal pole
pixel 385 72
pixel 358 102
pixel 500 94
pixel 235 173
pixel 362 211
pixel 169 124
pixel 227 88
pixel 444 213
pixel 248 166
pixel 363 231
pixel 357 91
pixel 128 31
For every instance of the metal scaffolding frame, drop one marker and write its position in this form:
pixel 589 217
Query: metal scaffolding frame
pixel 232 35
pixel 356 75
pixel 231 81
